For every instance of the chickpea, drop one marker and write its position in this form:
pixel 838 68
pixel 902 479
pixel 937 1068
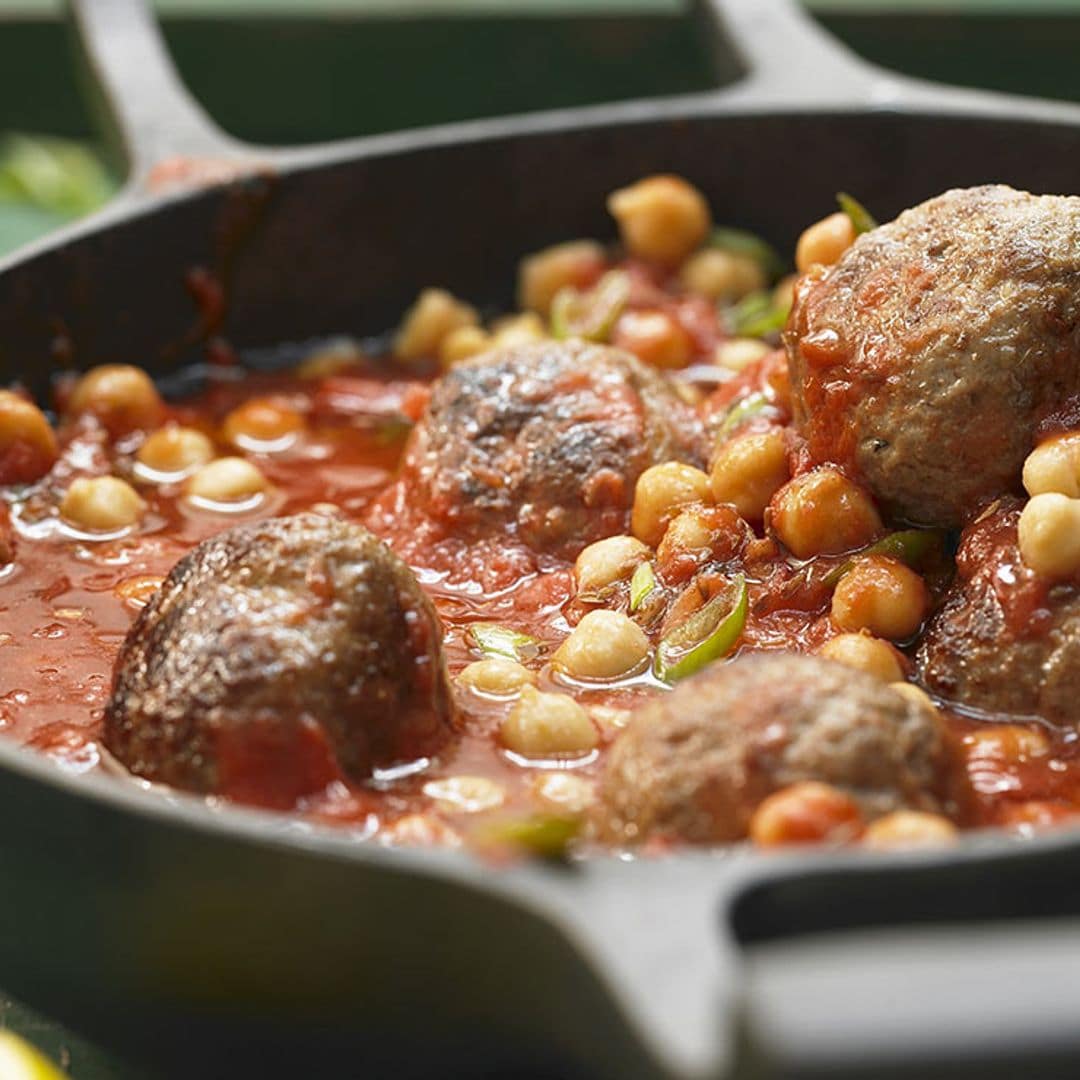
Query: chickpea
pixel 227 480
pixel 865 653
pixel 1009 743
pixel 122 397
pixel 883 596
pixel 737 354
pixel 262 424
pixel 824 241
pixel 722 275
pixel 521 329
pixel 27 441
pixel 465 794
pixel 331 359
pixel 604 645
pixel 696 535
pixel 823 513
pixel 1054 466
pixel 101 504
pixel 1049 535
pixel 496 677
pixel 783 294
pixel 915 695
pixel 661 218
pixel 463 343
pixel 909 829
pixel 655 338
pixel 808 812
pixel 576 264
pixel 174 451
pixel 545 725
pixel 661 492
pixel 748 471
pixel 433 316
pixel 564 791
pixel 607 561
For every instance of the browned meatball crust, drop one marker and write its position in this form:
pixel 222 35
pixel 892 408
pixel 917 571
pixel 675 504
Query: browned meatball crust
pixel 546 439
pixel 694 764
pixel 275 654
pixel 927 356
pixel 1005 641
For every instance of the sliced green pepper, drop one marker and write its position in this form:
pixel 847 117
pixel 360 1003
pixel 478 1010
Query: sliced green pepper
pixel 909 546
pixel 741 242
pixel 547 836
pixel 641 584
pixel 859 216
pixel 757 315
pixel 711 632
pixel 591 315
pixel 501 641
pixel 744 409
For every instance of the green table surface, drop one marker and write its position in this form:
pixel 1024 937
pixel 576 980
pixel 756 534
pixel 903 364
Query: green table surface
pixel 234 54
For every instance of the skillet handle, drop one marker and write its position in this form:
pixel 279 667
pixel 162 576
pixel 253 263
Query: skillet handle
pixel 165 138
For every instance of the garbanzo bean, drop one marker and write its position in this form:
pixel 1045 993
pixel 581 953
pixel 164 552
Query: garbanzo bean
pixel 607 561
pixel 227 480
pixel 122 397
pixel 823 513
pixel 914 694
pixel 465 794
pixel 824 241
pixel 496 677
pixel 654 337
pixel 1049 535
pixel 748 471
pixel 881 595
pixel 722 275
pixel 783 293
pixel 661 218
pixel 521 329
pixel 463 343
pixel 564 791
pixel 543 725
pixel 737 354
pixel 604 645
pixel 174 451
pixel 909 829
pixel 426 324
pixel 808 812
pixel 577 264
pixel 661 492
pixel 1009 743
pixel 865 653
pixel 101 504
pixel 1054 466
pixel 27 441
pixel 262 424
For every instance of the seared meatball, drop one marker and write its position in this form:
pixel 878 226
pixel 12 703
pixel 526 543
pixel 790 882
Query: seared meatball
pixel 274 655
pixel 928 355
pixel 548 439
pixel 694 764
pixel 1005 640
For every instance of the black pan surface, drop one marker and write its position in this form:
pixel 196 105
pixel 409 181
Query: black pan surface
pixel 237 943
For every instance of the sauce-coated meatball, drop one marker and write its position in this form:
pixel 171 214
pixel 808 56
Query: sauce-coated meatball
pixel 694 764
pixel 547 439
pixel 1005 641
pixel 927 356
pixel 276 656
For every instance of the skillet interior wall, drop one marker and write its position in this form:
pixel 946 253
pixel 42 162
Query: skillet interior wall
pixel 345 247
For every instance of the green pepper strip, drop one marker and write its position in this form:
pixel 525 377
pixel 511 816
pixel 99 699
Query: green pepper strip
pixel 591 315
pixel 859 216
pixel 741 242
pixel 909 546
pixel 547 836
pixel 757 315
pixel 641 584
pixel 494 640
pixel 743 410
pixel 711 632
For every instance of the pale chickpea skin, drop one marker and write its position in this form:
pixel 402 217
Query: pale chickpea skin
pixel 173 451
pixel 603 645
pixel 823 513
pixel 824 242
pixel 497 677
pixel 882 596
pixel 808 812
pixel 909 829
pixel 227 480
pixel 661 492
pixel 737 354
pixel 1054 466
pixel 662 218
pixel 748 471
pixel 1049 535
pixel 101 504
pixel 865 653
pixel 463 343
pixel 122 397
pixel 576 264
pixel 523 329
pixel 465 794
pixel 607 561
pixel 915 695
pixel 543 725
pixel 427 323
pixel 654 337
pixel 722 275
pixel 27 441
pixel 262 424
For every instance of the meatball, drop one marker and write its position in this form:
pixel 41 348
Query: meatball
pixel 546 439
pixel 694 764
pixel 926 358
pixel 276 656
pixel 1005 640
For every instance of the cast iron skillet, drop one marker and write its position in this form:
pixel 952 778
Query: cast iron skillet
pixel 220 939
